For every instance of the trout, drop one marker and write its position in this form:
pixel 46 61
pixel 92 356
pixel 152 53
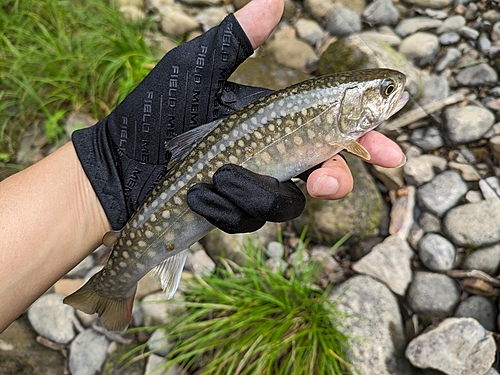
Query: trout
pixel 282 135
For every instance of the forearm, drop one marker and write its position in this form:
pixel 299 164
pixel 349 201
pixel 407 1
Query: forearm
pixel 50 220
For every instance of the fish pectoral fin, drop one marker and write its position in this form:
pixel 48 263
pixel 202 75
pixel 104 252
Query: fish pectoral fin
pixel 111 238
pixel 169 272
pixel 354 147
pixel 115 312
pixel 181 145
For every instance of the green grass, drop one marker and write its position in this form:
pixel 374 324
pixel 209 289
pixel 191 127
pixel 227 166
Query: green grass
pixel 63 55
pixel 251 320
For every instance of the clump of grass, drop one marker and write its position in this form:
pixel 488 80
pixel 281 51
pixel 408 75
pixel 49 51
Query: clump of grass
pixel 251 320
pixel 61 55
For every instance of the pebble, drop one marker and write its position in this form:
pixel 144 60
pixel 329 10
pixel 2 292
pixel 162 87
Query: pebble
pixel 412 25
pixel 486 259
pixel 474 224
pixel 390 263
pixel 373 322
pixel 309 30
pixel 175 22
pixel 420 47
pixel 291 52
pixel 434 4
pixel 477 75
pixel 467 171
pixel 200 263
pixel 88 351
pixel 429 223
pixel 342 21
pixel 330 269
pixel 458 346
pixel 275 249
pixel 428 139
pixel 154 364
pixel 158 309
pixel 447 39
pixel 159 342
pixel 436 252
pixel 381 12
pixel 442 193
pixel 418 171
pixel 436 89
pixel 52 319
pixel 452 23
pixel 450 57
pixel 432 294
pixel 479 308
pixel 490 187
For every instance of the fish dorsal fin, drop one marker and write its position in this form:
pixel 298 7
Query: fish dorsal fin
pixel 181 145
pixel 169 272
pixel 111 238
pixel 354 147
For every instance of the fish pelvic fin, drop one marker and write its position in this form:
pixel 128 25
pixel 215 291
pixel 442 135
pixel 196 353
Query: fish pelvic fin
pixel 115 313
pixel 354 148
pixel 169 272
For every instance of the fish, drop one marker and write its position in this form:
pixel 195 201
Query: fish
pixel 281 135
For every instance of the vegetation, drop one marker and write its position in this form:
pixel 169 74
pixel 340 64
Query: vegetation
pixel 251 320
pixel 63 55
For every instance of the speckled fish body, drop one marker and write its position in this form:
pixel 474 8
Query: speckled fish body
pixel 281 135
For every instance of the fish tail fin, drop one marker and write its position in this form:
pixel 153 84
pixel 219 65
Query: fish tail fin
pixel 115 312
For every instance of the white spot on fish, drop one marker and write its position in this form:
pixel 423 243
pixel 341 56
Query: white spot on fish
pixel 163 196
pixel 128 243
pixel 142 243
pixel 148 234
pixel 233 159
pixel 271 127
pixel 297 141
pixel 177 200
pixel 122 264
pixel 125 254
pixel 132 235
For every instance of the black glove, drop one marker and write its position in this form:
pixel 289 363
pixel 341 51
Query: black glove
pixel 241 201
pixel 123 155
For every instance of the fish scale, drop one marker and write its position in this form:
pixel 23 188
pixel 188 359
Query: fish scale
pixel 281 135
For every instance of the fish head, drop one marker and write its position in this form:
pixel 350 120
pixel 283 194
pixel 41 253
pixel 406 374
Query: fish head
pixel 370 97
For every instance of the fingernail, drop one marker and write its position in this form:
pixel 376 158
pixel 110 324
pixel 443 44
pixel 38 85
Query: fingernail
pixel 325 186
pixel 402 162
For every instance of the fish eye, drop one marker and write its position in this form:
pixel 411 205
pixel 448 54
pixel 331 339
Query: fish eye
pixel 387 88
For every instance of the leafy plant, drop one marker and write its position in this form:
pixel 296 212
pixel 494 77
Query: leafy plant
pixel 251 320
pixel 61 55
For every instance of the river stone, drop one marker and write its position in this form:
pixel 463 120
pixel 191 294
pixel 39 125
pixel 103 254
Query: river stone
pixel 309 30
pixel 361 213
pixel 154 366
pixel 363 52
pixel 486 259
pixel 159 342
pixel 389 262
pixel 428 138
pixel 435 4
pixel 432 294
pixel 468 123
pixel 450 57
pixel 290 52
pixel 442 193
pixel 411 25
pixel 436 252
pixel 175 22
pixel 452 23
pixel 457 346
pixel 88 351
pixel 158 309
pixel 381 12
pixel 474 224
pixel 52 319
pixel 420 47
pixel 374 325
pixel 477 75
pixel 479 308
pixel 342 21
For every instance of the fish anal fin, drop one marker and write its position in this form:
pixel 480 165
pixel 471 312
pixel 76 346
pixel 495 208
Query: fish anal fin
pixel 111 238
pixel 354 147
pixel 115 312
pixel 169 272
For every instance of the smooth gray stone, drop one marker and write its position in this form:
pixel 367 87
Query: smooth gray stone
pixel 477 75
pixel 381 12
pixel 428 139
pixel 88 351
pixel 480 308
pixel 436 252
pixel 342 21
pixel 409 26
pixel 421 48
pixel 486 259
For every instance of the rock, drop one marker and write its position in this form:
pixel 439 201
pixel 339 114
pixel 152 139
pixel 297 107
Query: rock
pixel 88 351
pixel 468 172
pixel 420 47
pixel 392 178
pixel 409 26
pixel 436 252
pixel 342 21
pixel 390 263
pixel 450 57
pixel 373 322
pixel 474 224
pixel 158 309
pixel 479 308
pixel 434 4
pixel 442 193
pixel 319 8
pixel 490 187
pixel 275 249
pixel 428 139
pixel 291 52
pixel 458 346
pixel 447 39
pixel 381 12
pixel 468 123
pixel 277 265
pixel 175 22
pixel 133 13
pixel 200 263
pixel 362 52
pixel 418 171
pixel 477 75
pixel 154 364
pixel 159 342
pixel 360 213
pixel 429 223
pixel 402 212
pixel 309 30
pixel 52 319
pixel 486 259
pixel 203 2
pixel 328 268
pixel 452 23
pixel 432 294
pixel 436 89
pixel 494 143
pixel 211 17
pixel 469 33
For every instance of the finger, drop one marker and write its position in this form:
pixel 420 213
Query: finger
pixel 384 152
pixel 259 18
pixel 332 181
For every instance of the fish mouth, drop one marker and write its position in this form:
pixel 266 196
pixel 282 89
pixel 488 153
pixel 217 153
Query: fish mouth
pixel 400 103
